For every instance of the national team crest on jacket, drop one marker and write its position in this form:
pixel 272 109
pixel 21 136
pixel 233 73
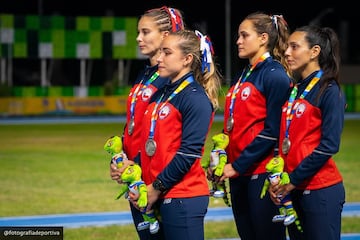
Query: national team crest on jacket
pixel 300 110
pixel 164 112
pixel 245 93
pixel 146 94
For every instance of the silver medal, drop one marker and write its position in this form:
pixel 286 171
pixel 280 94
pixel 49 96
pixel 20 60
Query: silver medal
pixel 230 124
pixel 150 147
pixel 131 126
pixel 285 145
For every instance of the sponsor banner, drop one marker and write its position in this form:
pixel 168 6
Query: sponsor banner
pixel 62 105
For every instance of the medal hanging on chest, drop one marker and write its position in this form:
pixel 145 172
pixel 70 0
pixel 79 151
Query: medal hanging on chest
pixel 131 126
pixel 150 147
pixel 139 89
pixel 236 89
pixel 229 124
pixel 291 108
pixel 285 147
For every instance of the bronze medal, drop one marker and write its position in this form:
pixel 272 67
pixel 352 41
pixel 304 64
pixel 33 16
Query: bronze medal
pixel 150 147
pixel 131 126
pixel 230 124
pixel 285 146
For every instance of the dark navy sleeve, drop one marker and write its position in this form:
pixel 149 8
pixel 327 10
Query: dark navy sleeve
pixel 332 106
pixel 276 87
pixel 197 113
pixel 277 91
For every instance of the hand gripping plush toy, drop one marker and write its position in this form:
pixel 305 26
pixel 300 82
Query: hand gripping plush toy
pixel 215 167
pixel 287 214
pixel 132 177
pixel 133 184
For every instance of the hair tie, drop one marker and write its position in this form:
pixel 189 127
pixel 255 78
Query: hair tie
pixel 207 51
pixel 274 21
pixel 176 20
pixel 276 18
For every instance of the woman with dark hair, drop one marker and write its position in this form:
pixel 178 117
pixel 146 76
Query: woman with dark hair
pixel 252 120
pixel 310 133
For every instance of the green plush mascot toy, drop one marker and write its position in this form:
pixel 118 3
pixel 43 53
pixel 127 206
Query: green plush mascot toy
pixel 114 147
pixel 133 185
pixel 215 167
pixel 287 214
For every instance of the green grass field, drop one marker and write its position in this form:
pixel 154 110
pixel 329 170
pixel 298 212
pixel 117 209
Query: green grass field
pixel 62 168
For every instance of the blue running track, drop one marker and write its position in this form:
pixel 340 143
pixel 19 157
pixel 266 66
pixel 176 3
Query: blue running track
pixel 123 218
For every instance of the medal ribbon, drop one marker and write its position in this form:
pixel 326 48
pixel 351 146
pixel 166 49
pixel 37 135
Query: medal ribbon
pixel 138 89
pixel 290 111
pixel 154 114
pixel 242 79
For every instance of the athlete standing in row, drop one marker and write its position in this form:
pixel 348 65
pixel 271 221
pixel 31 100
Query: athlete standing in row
pixel 175 127
pixel 153 27
pixel 311 127
pixel 252 121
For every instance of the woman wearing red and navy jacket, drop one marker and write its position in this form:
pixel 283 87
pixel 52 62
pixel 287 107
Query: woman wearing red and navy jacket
pixel 175 127
pixel 252 119
pixel 153 26
pixel 147 83
pixel 311 126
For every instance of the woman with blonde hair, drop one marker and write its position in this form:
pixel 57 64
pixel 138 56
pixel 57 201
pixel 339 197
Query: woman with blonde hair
pixel 175 127
pixel 153 27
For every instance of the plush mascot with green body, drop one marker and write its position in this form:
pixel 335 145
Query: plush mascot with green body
pixel 287 214
pixel 215 167
pixel 114 147
pixel 133 185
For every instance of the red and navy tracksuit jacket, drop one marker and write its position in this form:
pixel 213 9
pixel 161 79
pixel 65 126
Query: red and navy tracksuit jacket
pixel 314 133
pixel 257 113
pixel 131 143
pixel 180 132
